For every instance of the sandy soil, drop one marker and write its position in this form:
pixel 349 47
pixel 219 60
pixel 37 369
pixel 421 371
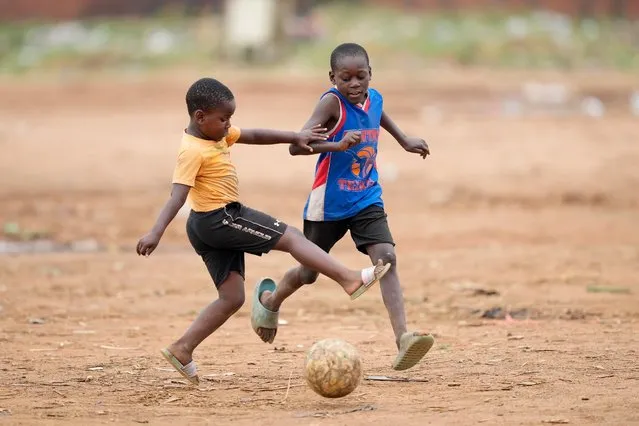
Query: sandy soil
pixel 541 211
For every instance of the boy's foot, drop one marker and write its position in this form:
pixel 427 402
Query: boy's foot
pixel 412 348
pixel 263 320
pixel 186 369
pixel 267 334
pixel 371 276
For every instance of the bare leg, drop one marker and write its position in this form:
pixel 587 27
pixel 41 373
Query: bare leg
pixel 289 284
pixel 231 293
pixel 411 346
pixel 391 289
pixel 292 281
pixel 313 259
pixel 316 259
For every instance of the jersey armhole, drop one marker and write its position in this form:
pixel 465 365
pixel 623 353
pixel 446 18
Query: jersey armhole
pixel 340 117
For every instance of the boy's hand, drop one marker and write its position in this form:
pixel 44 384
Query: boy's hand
pixel 147 244
pixel 314 134
pixel 350 139
pixel 417 146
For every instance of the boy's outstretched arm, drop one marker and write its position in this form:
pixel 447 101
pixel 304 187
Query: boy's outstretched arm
pixel 150 241
pixel 270 137
pixel 326 111
pixel 410 144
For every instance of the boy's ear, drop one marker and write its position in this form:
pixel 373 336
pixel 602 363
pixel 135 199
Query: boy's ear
pixel 331 76
pixel 198 115
pixel 370 72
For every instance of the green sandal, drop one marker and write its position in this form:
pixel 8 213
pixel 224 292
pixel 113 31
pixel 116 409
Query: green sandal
pixel 262 318
pixel 371 276
pixel 189 371
pixel 412 348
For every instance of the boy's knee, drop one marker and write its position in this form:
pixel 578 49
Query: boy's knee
pixel 307 276
pixel 235 300
pixel 388 257
pixel 232 291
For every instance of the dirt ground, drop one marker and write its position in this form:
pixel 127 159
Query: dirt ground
pixel 538 215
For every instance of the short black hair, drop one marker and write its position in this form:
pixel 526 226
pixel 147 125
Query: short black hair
pixel 345 50
pixel 207 94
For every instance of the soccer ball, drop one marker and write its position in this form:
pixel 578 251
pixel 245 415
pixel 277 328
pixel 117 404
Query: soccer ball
pixel 333 368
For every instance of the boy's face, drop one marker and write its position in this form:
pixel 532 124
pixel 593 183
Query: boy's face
pixel 351 77
pixel 215 124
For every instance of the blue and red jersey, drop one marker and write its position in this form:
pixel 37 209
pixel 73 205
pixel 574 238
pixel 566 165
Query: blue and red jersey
pixel 346 182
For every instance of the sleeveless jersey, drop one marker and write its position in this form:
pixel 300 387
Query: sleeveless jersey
pixel 346 182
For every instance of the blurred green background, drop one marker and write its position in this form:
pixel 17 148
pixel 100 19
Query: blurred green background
pixel 161 34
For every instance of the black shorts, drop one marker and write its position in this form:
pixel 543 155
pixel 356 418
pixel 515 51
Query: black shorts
pixel 367 227
pixel 222 237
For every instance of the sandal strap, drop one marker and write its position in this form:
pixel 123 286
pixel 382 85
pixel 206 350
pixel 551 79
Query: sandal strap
pixel 190 369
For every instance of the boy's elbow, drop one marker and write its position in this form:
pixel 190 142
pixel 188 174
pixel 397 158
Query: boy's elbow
pixel 181 199
pixel 179 194
pixel 293 150
pixel 177 201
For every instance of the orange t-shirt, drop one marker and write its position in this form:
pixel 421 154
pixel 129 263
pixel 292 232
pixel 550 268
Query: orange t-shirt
pixel 206 167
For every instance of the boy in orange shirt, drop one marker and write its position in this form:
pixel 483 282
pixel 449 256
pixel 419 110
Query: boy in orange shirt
pixel 220 228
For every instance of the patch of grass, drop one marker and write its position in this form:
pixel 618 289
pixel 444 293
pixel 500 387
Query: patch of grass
pixel 607 289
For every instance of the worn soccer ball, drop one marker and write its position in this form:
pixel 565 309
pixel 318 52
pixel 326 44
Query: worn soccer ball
pixel 333 368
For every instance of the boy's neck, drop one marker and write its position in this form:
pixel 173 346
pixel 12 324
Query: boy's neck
pixel 195 131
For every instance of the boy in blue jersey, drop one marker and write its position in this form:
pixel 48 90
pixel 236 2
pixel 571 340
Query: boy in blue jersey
pixel 346 195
